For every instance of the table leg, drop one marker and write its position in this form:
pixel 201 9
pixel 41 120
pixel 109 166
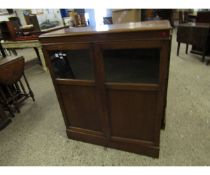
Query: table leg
pixel 2 51
pixel 203 54
pixel 178 47
pixel 37 53
pixel 14 52
pixel 186 48
pixel 42 58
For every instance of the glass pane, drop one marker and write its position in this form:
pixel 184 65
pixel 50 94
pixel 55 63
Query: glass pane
pixel 132 65
pixel 72 64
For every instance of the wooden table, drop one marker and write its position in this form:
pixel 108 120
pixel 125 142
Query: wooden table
pixel 14 86
pixel 27 44
pixel 196 34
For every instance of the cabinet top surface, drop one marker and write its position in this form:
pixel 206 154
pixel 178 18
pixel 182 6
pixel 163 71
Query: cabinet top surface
pixel 200 25
pixel 114 28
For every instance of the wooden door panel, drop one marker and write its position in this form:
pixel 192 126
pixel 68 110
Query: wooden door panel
pixel 132 114
pixel 81 106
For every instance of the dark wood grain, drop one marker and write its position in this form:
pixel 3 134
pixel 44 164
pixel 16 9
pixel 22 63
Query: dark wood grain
pixel 132 114
pixel 80 106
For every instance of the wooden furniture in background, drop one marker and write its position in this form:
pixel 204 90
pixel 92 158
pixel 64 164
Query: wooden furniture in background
pixel 166 14
pixel 196 34
pixel 158 14
pixel 78 18
pixel 203 17
pixel 111 82
pixel 192 17
pixel 147 14
pixel 27 44
pixel 183 17
pixel 22 42
pixel 8 30
pixel 126 15
pixel 32 19
pixel 12 90
pixel 15 21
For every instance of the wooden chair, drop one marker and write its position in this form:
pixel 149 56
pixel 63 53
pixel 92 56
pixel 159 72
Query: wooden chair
pixel 12 88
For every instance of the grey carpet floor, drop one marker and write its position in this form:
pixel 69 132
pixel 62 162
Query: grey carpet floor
pixel 37 135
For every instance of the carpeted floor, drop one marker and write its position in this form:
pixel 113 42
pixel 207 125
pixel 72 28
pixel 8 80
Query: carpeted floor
pixel 37 135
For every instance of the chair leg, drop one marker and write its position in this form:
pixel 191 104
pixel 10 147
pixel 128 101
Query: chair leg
pixel 17 87
pixel 178 47
pixel 29 88
pixel 14 52
pixel 5 103
pixel 10 110
pixel 204 54
pixel 37 53
pixel 2 51
pixel 186 49
pixel 22 87
pixel 9 51
pixel 13 100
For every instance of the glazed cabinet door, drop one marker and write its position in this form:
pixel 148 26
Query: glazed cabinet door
pixel 73 72
pixel 133 80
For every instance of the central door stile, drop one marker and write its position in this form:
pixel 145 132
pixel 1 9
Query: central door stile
pixel 101 90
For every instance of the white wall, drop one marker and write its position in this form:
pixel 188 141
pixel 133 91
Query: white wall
pixel 19 13
pixel 91 16
pixel 5 17
pixel 93 12
pixel 51 15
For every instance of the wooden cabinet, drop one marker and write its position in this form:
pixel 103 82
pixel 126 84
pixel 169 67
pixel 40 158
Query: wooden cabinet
pixel 111 82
